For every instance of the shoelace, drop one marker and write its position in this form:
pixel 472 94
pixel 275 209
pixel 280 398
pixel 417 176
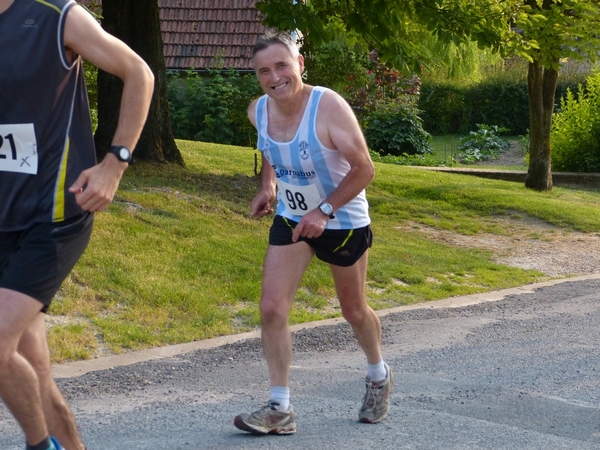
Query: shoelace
pixel 371 395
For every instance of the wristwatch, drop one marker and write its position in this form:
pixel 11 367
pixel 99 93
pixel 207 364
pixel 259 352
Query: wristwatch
pixel 120 152
pixel 327 209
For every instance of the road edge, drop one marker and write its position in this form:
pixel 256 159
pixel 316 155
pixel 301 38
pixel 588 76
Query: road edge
pixel 78 368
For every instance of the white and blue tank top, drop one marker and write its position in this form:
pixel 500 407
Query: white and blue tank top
pixel 306 171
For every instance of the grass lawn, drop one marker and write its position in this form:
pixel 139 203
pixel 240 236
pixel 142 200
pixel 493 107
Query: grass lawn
pixel 177 257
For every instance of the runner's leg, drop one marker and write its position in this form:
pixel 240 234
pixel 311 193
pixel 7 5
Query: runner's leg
pixel 350 284
pixel 283 270
pixel 19 386
pixel 59 418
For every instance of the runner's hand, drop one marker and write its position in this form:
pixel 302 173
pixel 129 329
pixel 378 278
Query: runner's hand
pixel 312 225
pixel 260 206
pixel 96 187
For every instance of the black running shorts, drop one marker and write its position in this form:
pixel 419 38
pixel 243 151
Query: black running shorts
pixel 337 247
pixel 36 261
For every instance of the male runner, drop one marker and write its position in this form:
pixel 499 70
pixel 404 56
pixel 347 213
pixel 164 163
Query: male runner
pixel 50 186
pixel 316 163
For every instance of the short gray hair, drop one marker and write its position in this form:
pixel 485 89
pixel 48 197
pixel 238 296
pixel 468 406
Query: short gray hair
pixel 276 37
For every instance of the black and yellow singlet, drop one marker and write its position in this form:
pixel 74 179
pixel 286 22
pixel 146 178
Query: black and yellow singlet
pixel 45 126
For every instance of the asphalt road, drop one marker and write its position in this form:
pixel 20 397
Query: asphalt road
pixel 522 372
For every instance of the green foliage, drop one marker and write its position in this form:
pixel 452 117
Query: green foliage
pixel 482 144
pixel 451 108
pixel 91 75
pixel 576 130
pixel 400 31
pixel 552 31
pixel 378 85
pixel 460 63
pixel 337 63
pixel 385 103
pixel 396 129
pixel 212 108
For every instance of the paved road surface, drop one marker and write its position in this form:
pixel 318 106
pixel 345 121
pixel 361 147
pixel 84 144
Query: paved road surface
pixel 522 372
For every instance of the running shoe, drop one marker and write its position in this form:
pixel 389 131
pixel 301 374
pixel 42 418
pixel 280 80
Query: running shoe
pixel 270 419
pixel 376 402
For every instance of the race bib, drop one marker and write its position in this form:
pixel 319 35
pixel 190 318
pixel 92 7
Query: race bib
pixel 18 148
pixel 298 200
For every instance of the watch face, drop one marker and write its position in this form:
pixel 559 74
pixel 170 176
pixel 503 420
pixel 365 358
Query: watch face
pixel 326 208
pixel 124 153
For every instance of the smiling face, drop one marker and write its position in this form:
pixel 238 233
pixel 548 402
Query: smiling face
pixel 279 71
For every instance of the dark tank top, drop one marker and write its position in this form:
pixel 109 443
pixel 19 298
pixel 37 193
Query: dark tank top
pixel 45 127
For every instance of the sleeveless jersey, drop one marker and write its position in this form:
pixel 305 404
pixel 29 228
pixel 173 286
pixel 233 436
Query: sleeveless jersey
pixel 45 127
pixel 306 171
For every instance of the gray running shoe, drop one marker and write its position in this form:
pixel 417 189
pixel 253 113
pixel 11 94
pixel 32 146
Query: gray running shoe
pixel 270 419
pixel 376 402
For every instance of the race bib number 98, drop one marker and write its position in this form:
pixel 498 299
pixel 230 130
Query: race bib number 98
pixel 18 148
pixel 298 200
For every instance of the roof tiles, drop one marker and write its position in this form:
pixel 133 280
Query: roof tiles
pixel 203 34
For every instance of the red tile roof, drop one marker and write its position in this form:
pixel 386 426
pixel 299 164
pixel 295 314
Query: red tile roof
pixel 202 34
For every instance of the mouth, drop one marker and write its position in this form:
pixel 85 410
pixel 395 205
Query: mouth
pixel 280 86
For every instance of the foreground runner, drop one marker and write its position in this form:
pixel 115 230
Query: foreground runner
pixel 316 162
pixel 49 187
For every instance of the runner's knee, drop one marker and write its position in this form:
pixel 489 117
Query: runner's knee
pixel 273 311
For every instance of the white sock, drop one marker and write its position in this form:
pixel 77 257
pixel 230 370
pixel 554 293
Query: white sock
pixel 376 372
pixel 281 395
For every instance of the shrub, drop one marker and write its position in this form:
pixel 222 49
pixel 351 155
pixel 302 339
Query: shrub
pixel 482 144
pixel 575 138
pixel 385 104
pixel 443 108
pixel 396 129
pixel 212 108
pixel 457 109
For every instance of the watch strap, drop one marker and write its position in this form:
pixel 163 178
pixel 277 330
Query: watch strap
pixel 121 152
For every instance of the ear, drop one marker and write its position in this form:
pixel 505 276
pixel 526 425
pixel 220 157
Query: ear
pixel 301 63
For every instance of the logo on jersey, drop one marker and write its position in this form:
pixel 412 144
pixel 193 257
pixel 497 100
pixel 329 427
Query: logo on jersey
pixel 294 174
pixel 303 148
pixel 29 23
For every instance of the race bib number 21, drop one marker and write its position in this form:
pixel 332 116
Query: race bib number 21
pixel 18 148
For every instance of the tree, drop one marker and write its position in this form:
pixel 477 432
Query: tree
pixel 561 29
pixel 542 31
pixel 136 22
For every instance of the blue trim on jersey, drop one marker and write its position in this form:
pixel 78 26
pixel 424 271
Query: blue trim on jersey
pixel 306 161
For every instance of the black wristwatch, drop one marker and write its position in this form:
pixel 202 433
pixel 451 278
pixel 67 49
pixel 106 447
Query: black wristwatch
pixel 327 209
pixel 122 153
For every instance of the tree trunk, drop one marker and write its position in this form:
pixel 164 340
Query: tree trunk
pixel 137 23
pixel 542 88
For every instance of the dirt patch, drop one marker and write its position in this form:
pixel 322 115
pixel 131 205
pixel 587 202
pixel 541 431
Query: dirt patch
pixel 514 156
pixel 532 244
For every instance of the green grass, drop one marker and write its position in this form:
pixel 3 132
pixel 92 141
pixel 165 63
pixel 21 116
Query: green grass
pixel 444 148
pixel 177 257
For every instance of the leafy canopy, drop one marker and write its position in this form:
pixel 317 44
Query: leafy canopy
pixel 544 31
